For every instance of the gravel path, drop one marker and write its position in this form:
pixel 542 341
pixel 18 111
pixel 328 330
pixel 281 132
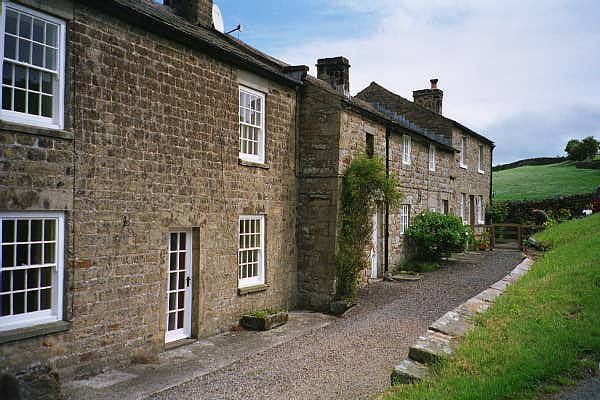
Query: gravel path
pixel 352 357
pixel 588 389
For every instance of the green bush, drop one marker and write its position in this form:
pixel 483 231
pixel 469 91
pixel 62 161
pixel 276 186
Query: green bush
pixel 436 235
pixel 365 187
pixel 496 212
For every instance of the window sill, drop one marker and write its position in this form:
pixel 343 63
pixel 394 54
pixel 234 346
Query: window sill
pixel 14 335
pixel 405 163
pixel 35 130
pixel 247 163
pixel 480 171
pixel 252 289
pixel 463 166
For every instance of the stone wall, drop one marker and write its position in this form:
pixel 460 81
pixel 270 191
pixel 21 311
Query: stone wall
pixel 156 144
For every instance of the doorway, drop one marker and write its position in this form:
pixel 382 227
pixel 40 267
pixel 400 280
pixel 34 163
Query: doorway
pixel 179 286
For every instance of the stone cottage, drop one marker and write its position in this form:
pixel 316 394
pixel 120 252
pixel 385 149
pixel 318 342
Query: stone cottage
pixel 160 178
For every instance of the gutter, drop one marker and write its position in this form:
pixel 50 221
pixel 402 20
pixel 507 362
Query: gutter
pixel 387 206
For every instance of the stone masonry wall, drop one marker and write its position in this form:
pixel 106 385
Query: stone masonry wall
pixel 422 189
pixel 156 147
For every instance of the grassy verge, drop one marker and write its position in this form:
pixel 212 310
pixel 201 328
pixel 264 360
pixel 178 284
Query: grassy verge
pixel 544 332
pixel 544 181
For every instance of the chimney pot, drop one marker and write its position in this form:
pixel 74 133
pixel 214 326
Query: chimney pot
pixel 430 98
pixel 434 83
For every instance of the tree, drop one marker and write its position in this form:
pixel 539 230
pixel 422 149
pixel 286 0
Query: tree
pixel 582 150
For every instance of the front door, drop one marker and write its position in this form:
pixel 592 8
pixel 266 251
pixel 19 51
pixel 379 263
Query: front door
pixel 375 247
pixel 179 287
pixel 472 209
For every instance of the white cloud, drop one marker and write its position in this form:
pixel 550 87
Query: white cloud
pixel 496 61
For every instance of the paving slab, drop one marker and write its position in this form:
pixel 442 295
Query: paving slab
pixel 430 348
pixel 452 324
pixel 490 295
pixel 409 371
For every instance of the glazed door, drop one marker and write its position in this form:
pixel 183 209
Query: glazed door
pixel 375 247
pixel 179 287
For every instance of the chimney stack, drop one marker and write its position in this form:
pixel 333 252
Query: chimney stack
pixel 335 71
pixel 198 12
pixel 430 98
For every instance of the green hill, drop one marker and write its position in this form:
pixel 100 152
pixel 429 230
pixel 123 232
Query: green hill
pixel 543 181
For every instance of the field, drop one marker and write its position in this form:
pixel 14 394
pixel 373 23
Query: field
pixel 543 181
pixel 543 333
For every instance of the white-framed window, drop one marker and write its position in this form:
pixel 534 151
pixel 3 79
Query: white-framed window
pixel 33 67
pixel 405 149
pixel 463 208
pixel 31 268
pixel 252 125
pixel 251 250
pixel 404 217
pixel 480 159
pixel 432 158
pixel 463 152
pixel 479 209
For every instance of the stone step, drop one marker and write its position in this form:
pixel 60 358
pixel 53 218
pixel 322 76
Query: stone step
pixel 409 371
pixel 430 348
pixel 452 324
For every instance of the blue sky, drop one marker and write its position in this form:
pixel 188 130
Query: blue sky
pixel 524 73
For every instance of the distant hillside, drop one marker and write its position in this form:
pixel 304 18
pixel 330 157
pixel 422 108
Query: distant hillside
pixel 529 161
pixel 544 181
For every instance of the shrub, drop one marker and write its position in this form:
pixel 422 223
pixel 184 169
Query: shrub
pixel 365 186
pixel 496 212
pixel 436 235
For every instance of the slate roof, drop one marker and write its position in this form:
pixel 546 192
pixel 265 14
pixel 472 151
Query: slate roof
pixel 419 115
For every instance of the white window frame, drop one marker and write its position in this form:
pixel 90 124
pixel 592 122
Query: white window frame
pixel 479 209
pixel 57 120
pixel 404 218
pixel 406 148
pixel 480 159
pixel 463 152
pixel 260 278
pixel 463 208
pixel 55 313
pixel 260 157
pixel 186 330
pixel 432 157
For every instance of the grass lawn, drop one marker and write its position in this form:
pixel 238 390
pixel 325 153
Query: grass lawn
pixel 541 334
pixel 543 181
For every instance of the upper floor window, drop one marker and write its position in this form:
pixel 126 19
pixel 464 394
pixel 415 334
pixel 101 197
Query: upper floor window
pixel 463 152
pixel 252 125
pixel 31 266
pixel 432 157
pixel 406 149
pixel 370 145
pixel 480 159
pixel 33 67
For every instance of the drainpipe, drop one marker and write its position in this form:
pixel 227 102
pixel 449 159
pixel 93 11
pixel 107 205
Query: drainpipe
pixel 387 206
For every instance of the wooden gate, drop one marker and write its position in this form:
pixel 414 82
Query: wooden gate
pixel 509 236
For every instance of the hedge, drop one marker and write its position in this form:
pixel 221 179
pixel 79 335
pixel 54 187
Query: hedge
pixel 519 212
pixel 594 164
pixel 530 161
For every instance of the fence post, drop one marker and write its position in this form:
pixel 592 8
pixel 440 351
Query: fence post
pixel 492 236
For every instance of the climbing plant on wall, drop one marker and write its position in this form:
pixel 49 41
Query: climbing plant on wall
pixel 365 186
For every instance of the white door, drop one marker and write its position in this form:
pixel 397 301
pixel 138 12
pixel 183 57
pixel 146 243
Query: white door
pixel 179 287
pixel 375 246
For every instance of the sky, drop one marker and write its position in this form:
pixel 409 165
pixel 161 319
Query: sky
pixel 524 73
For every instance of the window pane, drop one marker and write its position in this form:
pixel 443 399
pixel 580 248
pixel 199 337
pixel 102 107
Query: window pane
pixel 38 30
pixel 5 281
pixel 37 57
pixel 19 303
pixel 49 229
pixel 47 106
pixel 182 241
pixel 36 254
pixel 32 301
pixel 173 261
pixel 8 256
pixel 24 50
pixel 173 242
pixel 6 98
pixel 10 47
pixel 20 76
pixel 19 100
pixel 173 281
pixel 181 280
pixel 47 82
pixel 171 325
pixel 8 231
pixel 7 73
pixel 18 282
pixel 22 230
pixel 33 103
pixel 34 80
pixel 22 254
pixel 50 58
pixel 46 275
pixel 179 319
pixel 33 278
pixel 49 253
pixel 45 299
pixel 11 22
pixel 5 304
pixel 182 260
pixel 51 35
pixel 25 26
